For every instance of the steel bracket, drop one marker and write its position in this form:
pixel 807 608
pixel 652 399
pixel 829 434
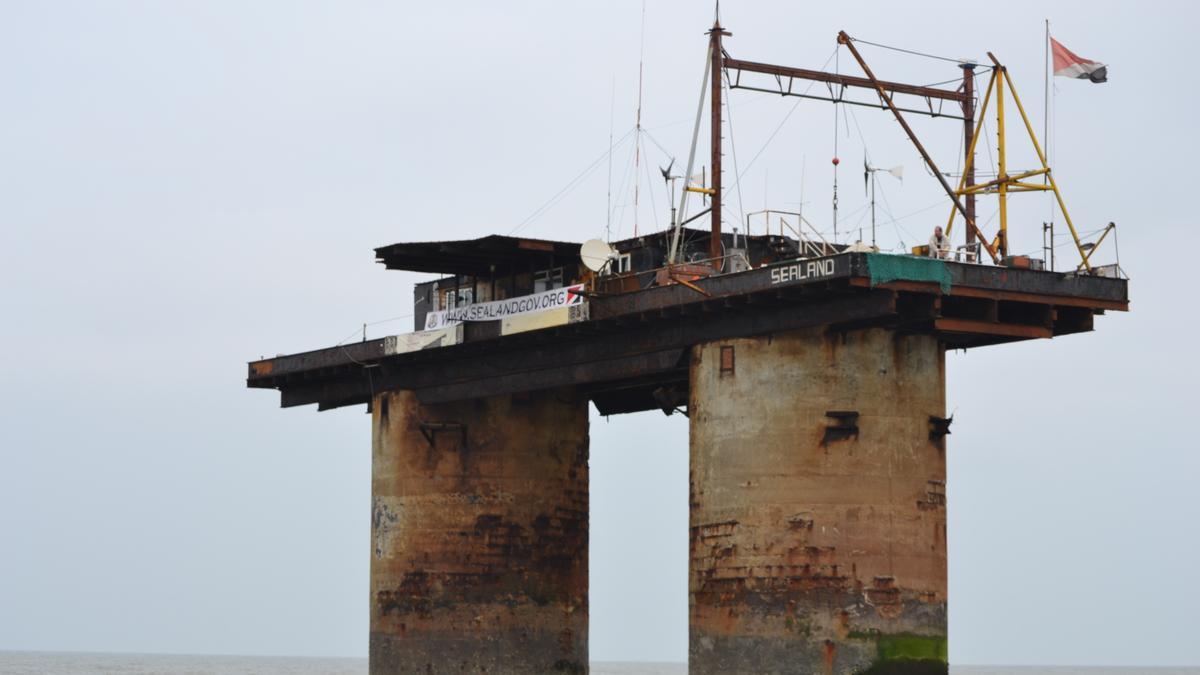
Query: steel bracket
pixel 430 429
pixel 939 427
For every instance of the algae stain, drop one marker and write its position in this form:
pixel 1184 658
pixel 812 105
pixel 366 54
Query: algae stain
pixel 906 653
pixel 909 646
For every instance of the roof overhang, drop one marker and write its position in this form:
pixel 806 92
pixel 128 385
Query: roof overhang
pixel 494 255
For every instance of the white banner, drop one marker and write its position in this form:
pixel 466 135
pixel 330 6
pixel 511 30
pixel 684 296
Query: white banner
pixel 498 309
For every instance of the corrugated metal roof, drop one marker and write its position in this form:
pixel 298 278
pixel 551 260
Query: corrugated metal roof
pixel 501 255
pixel 487 256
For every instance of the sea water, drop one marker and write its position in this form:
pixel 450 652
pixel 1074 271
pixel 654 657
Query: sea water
pixel 77 663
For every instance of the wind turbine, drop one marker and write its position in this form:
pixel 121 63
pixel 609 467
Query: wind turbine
pixel 670 182
pixel 869 182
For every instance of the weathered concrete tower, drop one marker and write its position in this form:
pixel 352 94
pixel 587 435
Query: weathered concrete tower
pixel 818 534
pixel 479 534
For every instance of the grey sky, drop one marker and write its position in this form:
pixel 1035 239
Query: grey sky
pixel 186 186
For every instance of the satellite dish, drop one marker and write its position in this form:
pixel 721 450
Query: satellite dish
pixel 596 254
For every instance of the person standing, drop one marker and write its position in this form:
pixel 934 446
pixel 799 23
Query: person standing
pixel 939 245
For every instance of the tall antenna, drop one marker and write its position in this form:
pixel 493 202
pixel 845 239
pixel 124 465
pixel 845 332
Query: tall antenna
pixel 637 137
pixel 837 68
pixel 1047 93
pixel 800 210
pixel 612 106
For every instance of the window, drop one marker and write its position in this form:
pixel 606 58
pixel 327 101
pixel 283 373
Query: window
pixel 546 280
pixel 726 360
pixel 461 297
pixel 623 263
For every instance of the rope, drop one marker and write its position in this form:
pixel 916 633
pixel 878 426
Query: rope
pixel 362 330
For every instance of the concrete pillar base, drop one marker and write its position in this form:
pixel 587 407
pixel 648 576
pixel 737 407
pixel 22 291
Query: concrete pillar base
pixel 479 535
pixel 818 522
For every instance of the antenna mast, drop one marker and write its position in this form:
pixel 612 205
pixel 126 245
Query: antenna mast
pixel 612 106
pixel 637 135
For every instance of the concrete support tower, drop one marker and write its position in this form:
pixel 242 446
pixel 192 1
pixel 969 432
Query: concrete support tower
pixel 818 521
pixel 479 534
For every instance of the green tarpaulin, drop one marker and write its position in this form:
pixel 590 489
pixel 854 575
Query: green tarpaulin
pixel 885 267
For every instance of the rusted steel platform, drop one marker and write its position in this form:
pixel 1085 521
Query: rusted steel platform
pixel 619 349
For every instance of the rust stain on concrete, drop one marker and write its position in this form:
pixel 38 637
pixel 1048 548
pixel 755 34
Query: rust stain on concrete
pixel 809 556
pixel 479 535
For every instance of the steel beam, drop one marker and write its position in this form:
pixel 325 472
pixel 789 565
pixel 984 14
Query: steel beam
pixel 584 361
pixel 843 80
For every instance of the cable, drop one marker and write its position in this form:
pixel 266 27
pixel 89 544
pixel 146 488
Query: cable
pixel 733 150
pixel 569 186
pixel 624 185
pixel 781 123
pixel 653 204
pixel 647 134
pixel 908 51
pixel 980 69
pixel 991 158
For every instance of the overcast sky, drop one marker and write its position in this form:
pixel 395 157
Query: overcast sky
pixel 187 186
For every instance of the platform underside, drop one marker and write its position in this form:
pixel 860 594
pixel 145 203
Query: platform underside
pixel 632 351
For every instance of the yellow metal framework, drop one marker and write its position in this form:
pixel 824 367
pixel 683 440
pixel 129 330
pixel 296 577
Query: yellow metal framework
pixel 1004 184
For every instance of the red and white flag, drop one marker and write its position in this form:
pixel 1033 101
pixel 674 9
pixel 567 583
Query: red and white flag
pixel 1068 64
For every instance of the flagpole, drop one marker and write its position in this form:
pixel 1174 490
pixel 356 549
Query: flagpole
pixel 1046 95
pixel 1046 135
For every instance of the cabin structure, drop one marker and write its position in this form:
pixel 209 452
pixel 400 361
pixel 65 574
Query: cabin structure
pixel 500 267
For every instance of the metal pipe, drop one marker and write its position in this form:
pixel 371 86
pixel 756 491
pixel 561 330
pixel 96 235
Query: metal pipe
pixel 714 242
pixel 687 175
pixel 698 215
pixel 968 108
pixel 1002 163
